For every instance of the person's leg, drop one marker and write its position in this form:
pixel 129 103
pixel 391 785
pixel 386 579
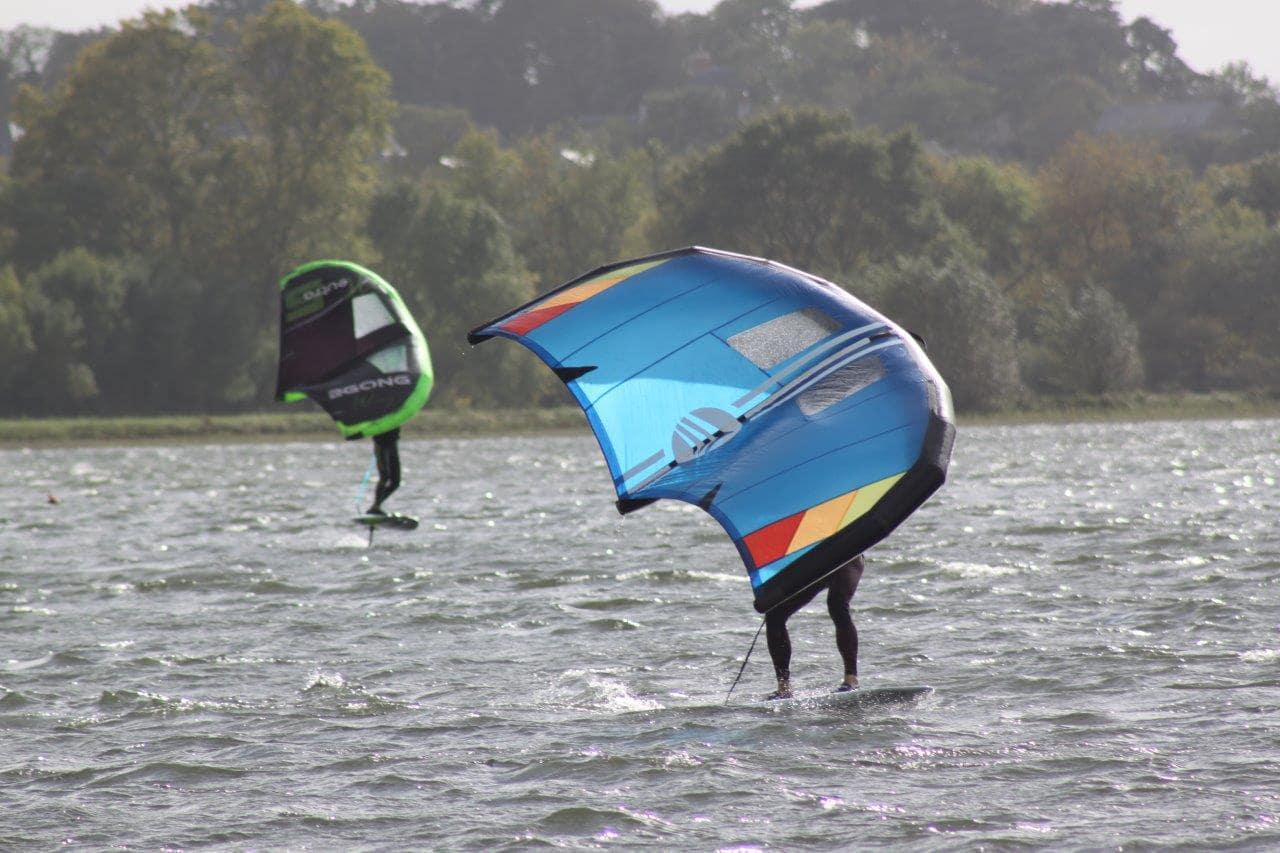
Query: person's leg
pixel 841 586
pixel 775 622
pixel 393 468
pixel 387 453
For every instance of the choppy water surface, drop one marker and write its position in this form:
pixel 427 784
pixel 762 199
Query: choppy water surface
pixel 196 648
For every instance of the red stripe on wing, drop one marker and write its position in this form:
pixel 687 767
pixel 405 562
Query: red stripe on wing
pixel 530 320
pixel 770 542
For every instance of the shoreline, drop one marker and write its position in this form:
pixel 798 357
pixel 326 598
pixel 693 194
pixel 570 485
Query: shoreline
pixel 17 433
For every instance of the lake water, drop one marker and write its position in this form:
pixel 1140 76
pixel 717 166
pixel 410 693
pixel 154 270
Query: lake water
pixel 198 649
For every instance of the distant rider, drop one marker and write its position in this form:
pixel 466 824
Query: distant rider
pixel 386 450
pixel 841 585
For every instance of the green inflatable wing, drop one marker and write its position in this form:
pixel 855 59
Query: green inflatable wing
pixel 348 342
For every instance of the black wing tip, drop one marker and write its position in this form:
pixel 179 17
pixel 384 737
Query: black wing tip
pixel 478 334
pixel 629 505
pixel 568 374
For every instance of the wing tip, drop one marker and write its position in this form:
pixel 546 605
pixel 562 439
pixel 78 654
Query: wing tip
pixel 627 506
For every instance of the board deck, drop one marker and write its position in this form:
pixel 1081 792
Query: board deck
pixel 392 520
pixel 869 697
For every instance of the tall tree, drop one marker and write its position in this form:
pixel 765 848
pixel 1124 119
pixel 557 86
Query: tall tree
pixel 123 156
pixel 452 260
pixel 1088 345
pixel 16 342
pixel 1115 212
pixel 567 58
pixel 219 166
pixel 801 187
pixel 966 323
pixel 995 204
pixel 318 113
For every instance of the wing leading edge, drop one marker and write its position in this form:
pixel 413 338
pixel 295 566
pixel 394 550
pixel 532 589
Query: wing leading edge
pixel 807 424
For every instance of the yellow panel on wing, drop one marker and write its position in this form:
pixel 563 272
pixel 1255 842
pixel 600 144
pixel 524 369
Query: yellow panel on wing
pixel 866 497
pixel 599 284
pixel 821 521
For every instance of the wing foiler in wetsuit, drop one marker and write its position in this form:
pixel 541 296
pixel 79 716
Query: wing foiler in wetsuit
pixel 841 585
pixel 386 450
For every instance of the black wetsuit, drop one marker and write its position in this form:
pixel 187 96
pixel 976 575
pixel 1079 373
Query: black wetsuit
pixel 386 449
pixel 841 585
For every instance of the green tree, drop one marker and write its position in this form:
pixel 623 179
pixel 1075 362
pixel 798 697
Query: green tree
pixel 576 208
pixel 16 342
pixel 751 37
pixel 318 115
pixel 800 187
pixel 1256 107
pixel 688 118
pixel 965 320
pixel 567 58
pixel 1056 110
pixel 827 60
pixel 85 351
pixel 429 133
pixel 453 261
pixel 1215 324
pixel 568 208
pixel 483 170
pixel 125 154
pixel 995 204
pixel 1255 184
pixel 1087 345
pixel 1115 211
pixel 941 104
pixel 217 166
pixel 1155 65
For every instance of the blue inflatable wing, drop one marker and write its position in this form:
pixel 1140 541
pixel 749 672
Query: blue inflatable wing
pixel 806 423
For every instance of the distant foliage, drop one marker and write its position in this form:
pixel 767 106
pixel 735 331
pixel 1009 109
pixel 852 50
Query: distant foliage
pixel 802 187
pixel 17 345
pixel 211 167
pixel 424 135
pixel 689 118
pixel 1087 344
pixel 995 204
pixel 75 306
pixel 964 319
pixel 947 157
pixel 453 262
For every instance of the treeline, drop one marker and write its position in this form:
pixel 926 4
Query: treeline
pixel 1050 197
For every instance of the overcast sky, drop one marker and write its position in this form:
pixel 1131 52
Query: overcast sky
pixel 1210 33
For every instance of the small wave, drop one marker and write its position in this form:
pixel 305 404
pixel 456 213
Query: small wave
pixel 325 681
pixel 1260 656
pixel 604 824
pixel 12 665
pixel 979 570
pixel 679 576
pixel 157 703
pixel 170 773
pixel 12 700
pixel 614 625
pixel 617 603
pixel 35 611
pixel 595 691
pixel 349 699
pixel 680 761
